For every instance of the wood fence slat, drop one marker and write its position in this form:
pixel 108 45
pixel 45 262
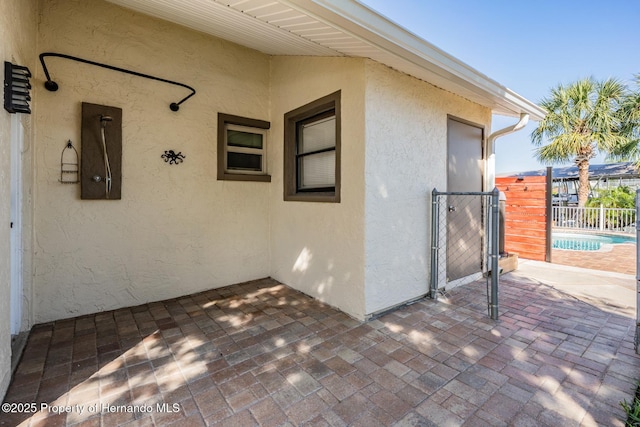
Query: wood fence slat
pixel 531 196
pixel 526 233
pixel 510 230
pixel 525 225
pixel 525 240
pixel 533 214
pixel 525 215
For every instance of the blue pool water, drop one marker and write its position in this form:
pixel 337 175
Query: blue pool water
pixel 587 242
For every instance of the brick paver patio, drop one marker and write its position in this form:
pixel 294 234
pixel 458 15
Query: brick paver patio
pixel 620 259
pixel 261 353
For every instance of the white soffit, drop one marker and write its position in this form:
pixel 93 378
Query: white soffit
pixel 335 28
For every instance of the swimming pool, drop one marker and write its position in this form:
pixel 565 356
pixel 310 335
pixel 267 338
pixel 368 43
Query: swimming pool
pixel 587 242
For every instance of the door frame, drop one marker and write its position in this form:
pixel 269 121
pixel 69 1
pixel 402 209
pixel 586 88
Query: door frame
pixel 16 242
pixel 483 174
pixel 483 148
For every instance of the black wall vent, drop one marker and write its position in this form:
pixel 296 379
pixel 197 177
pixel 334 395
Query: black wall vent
pixel 16 88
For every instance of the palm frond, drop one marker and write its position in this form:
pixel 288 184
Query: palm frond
pixel 587 117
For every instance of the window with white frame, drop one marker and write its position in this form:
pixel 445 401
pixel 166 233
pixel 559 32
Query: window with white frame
pixel 242 148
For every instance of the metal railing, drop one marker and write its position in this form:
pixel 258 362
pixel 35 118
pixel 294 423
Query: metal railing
pixel 602 219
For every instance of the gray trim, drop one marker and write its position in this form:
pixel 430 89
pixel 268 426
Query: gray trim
pixel 18 344
pixel 224 119
pixel 326 103
pixel 482 146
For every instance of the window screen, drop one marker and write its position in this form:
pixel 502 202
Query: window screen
pixel 317 153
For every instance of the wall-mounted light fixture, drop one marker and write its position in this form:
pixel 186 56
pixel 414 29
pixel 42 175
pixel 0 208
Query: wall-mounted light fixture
pixel 16 88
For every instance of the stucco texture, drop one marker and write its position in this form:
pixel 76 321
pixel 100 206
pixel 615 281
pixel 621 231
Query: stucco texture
pixel 318 248
pixel 406 158
pixel 18 27
pixel 176 230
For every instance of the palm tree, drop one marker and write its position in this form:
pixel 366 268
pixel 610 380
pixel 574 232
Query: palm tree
pixel 583 119
pixel 630 126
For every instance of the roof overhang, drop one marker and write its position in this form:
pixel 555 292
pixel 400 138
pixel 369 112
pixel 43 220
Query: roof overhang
pixel 336 28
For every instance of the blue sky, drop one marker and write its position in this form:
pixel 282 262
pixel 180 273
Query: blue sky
pixel 528 47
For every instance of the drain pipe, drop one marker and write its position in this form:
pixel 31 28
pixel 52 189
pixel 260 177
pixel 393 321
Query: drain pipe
pixel 490 146
pixel 524 119
pixel 496 226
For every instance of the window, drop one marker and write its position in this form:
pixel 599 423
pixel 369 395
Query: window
pixel 242 148
pixel 312 151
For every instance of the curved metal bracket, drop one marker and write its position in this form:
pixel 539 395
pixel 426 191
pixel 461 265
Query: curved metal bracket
pixel 52 86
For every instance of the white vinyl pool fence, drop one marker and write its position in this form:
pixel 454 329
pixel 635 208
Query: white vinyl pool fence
pixel 600 219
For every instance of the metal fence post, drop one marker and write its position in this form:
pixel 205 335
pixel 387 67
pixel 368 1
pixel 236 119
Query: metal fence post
pixel 495 252
pixel 549 215
pixel 435 219
pixel 637 335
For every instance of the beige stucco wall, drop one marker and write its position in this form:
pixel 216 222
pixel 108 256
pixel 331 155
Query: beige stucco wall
pixel 406 158
pixel 177 230
pixel 18 22
pixel 318 248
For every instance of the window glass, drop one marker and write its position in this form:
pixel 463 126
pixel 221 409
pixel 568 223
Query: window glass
pixel 242 161
pixel 317 170
pixel 242 148
pixel 239 138
pixel 312 151
pixel 318 135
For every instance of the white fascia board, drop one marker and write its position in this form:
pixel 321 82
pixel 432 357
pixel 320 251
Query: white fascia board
pixel 371 27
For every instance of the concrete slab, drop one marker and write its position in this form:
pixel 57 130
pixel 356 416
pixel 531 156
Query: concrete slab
pixel 615 290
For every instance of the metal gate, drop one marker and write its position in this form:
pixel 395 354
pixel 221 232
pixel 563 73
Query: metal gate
pixel 464 242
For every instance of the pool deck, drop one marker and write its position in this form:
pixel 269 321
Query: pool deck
pixel 614 290
pixel 618 258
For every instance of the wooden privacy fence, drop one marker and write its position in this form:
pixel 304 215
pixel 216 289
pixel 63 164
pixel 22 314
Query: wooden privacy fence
pixel 527 229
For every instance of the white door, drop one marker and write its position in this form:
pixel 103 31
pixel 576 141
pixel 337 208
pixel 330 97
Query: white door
pixel 17 140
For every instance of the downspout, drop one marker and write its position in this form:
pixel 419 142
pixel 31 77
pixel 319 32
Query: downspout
pixel 495 216
pixel 524 119
pixel 490 178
